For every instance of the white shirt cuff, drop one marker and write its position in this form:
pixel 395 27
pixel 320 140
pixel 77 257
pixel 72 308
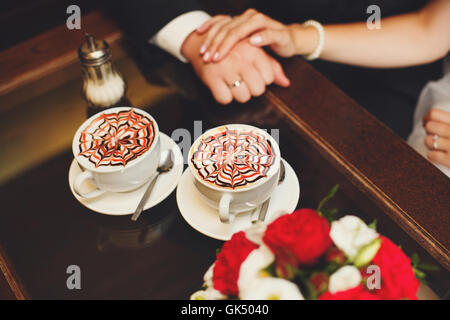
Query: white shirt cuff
pixel 171 37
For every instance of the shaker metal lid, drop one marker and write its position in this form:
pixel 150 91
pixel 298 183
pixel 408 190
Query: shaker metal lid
pixel 94 52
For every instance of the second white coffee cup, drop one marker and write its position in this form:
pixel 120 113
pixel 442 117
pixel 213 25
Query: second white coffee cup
pixel 229 201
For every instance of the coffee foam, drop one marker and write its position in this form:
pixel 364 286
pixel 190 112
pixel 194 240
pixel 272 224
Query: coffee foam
pixel 116 138
pixel 233 157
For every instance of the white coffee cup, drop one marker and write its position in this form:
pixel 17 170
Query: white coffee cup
pixel 230 201
pixel 118 178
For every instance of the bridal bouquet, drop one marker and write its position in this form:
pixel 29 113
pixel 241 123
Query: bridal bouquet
pixel 309 255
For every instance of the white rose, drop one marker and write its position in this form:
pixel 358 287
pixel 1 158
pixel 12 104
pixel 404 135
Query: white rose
pixel 208 277
pixel 256 232
pixel 271 289
pixel 343 279
pixel 208 294
pixel 252 267
pixel 350 234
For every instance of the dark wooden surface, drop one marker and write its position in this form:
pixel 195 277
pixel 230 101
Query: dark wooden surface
pixel 324 135
pixel 11 286
pixel 5 290
pixel 51 51
pixel 21 20
pixel 411 191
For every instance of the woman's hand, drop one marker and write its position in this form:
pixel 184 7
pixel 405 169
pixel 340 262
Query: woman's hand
pixel 223 32
pixel 437 125
pixel 251 66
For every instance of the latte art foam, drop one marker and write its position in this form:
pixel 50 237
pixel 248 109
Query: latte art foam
pixel 115 139
pixel 233 158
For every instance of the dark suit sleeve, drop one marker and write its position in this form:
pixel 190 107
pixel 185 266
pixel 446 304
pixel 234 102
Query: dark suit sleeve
pixel 141 19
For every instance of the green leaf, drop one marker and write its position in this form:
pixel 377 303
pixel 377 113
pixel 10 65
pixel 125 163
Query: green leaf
pixel 302 274
pixel 270 269
pixel 367 253
pixel 373 225
pixel 311 292
pixel 414 260
pixel 287 271
pixel 419 274
pixel 327 197
pixel 423 281
pixel 428 267
pixel 419 268
pixel 329 214
pixel 331 267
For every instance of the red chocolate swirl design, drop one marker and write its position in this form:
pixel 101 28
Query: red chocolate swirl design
pixel 233 158
pixel 115 139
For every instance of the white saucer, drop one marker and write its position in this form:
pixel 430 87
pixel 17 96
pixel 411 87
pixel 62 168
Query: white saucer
pixel 205 219
pixel 118 204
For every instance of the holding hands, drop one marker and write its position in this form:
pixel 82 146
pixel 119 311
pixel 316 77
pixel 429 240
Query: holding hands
pixel 226 53
pixel 224 32
pixel 243 73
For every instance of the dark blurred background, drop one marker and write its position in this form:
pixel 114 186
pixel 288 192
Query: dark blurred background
pixel 24 19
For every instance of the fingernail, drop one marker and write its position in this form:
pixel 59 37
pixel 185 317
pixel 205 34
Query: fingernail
pixel 255 39
pixel 216 56
pixel 203 49
pixel 206 56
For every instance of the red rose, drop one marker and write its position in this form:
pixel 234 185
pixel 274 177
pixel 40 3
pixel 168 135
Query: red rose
pixel 333 254
pixel 356 293
pixel 319 280
pixel 398 280
pixel 298 238
pixel 228 264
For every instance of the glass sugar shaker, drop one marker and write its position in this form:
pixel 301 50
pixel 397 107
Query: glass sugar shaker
pixel 103 85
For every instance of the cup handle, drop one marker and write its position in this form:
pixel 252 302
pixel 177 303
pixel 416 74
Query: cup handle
pixel 79 181
pixel 224 208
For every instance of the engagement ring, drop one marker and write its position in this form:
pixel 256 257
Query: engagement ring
pixel 237 83
pixel 435 144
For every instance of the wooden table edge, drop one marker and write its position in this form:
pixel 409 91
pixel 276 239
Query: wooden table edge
pixel 395 212
pixel 13 280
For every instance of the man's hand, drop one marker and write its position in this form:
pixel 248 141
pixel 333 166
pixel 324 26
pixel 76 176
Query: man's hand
pixel 250 65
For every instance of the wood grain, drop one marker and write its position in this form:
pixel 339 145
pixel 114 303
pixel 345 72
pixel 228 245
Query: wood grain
pixel 15 288
pixel 51 51
pixel 325 136
pixel 412 192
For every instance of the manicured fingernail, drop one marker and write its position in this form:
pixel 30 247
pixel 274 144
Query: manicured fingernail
pixel 206 56
pixel 216 56
pixel 203 49
pixel 256 39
